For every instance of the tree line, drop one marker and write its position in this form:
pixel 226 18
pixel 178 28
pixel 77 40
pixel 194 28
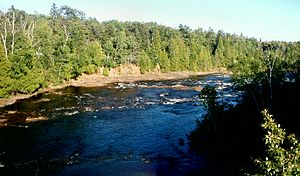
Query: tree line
pixel 39 50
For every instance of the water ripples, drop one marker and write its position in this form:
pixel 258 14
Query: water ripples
pixel 124 125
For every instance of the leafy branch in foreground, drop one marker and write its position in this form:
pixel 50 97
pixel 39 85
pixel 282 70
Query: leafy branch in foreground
pixel 283 151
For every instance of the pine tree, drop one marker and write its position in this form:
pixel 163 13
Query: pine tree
pixel 179 54
pixel 145 63
pixel 219 54
pixel 5 79
pixel 164 61
pixel 205 59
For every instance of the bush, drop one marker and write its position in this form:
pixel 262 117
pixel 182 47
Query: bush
pixel 105 71
pixel 283 151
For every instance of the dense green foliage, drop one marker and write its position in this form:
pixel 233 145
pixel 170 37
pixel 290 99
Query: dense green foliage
pixel 40 50
pixel 283 151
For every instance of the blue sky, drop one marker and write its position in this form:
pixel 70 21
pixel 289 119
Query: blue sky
pixel 265 19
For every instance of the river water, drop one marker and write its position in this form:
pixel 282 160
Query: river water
pixel 121 129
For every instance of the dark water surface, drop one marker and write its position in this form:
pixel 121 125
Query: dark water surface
pixel 122 129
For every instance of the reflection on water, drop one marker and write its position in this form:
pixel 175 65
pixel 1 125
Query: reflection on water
pixel 122 129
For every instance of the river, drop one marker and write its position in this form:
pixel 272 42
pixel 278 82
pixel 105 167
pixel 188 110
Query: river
pixel 121 129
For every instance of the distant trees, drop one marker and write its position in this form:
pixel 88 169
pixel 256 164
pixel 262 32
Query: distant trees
pixel 219 53
pixel 145 63
pixel 66 44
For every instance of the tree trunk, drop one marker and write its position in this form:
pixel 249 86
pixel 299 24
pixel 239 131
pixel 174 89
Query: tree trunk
pixel 4 37
pixel 66 33
pixel 13 33
pixel 271 88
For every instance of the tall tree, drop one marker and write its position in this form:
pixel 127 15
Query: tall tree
pixel 5 77
pixel 273 55
pixel 179 54
pixel 4 31
pixel 219 53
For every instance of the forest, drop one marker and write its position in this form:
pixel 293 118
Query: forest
pixel 37 51
pixel 40 50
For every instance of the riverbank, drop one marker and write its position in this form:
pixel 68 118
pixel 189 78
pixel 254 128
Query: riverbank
pixel 124 73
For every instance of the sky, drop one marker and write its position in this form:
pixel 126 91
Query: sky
pixel 261 19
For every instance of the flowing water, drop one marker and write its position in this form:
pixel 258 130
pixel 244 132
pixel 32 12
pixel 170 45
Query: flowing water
pixel 121 129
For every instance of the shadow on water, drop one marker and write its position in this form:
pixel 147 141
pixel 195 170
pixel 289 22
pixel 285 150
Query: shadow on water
pixel 122 129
